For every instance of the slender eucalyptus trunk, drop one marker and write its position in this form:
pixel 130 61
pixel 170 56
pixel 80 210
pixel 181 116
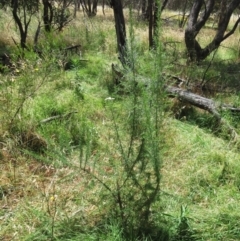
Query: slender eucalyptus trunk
pixel 120 30
pixel 22 24
pixel 150 23
pixel 47 15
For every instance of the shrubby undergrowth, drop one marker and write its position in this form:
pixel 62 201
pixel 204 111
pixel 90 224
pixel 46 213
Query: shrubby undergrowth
pixel 85 159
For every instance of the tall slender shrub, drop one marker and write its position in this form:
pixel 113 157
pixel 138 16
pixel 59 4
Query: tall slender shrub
pixel 132 173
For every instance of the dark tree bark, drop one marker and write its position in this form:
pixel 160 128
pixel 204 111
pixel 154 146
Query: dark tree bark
pixel 120 30
pixel 47 15
pixel 62 15
pixel 150 23
pixel 103 6
pixel 22 24
pixel 94 7
pixel 77 4
pixel 164 4
pixel 197 21
pixel 154 12
pixel 144 5
pixel 90 7
pixel 184 17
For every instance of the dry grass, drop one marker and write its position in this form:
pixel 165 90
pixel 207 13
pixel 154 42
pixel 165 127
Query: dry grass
pixel 7 28
pixel 193 163
pixel 29 187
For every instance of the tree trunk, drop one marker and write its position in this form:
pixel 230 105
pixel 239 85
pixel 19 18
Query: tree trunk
pixel 150 23
pixel 164 4
pixel 75 8
pixel 184 16
pixel 154 12
pixel 120 30
pixel 94 7
pixel 47 15
pixel 144 5
pixel 23 29
pixel 156 18
pixel 197 21
pixel 90 7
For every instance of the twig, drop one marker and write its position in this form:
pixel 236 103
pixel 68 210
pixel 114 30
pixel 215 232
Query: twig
pixel 208 67
pixel 180 81
pixel 57 117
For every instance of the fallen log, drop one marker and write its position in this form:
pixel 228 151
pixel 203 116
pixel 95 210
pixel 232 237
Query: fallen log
pixel 194 99
pixel 200 101
pixel 73 49
pixel 206 104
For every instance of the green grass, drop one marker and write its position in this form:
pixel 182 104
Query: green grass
pixel 202 173
pixel 47 196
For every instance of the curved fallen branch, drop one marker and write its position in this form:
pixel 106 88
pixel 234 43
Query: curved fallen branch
pixel 57 117
pixel 207 104
pixel 194 99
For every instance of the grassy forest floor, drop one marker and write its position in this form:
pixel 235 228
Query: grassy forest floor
pixel 45 194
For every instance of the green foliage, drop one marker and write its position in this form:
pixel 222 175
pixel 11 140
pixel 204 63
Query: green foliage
pixel 133 153
pixel 120 167
pixel 184 232
pixel 20 87
pixel 53 41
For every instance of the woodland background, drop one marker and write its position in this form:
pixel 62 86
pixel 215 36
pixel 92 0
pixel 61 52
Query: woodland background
pixel 119 120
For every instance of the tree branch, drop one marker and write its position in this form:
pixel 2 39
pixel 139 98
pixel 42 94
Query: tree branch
pixel 232 30
pixel 57 117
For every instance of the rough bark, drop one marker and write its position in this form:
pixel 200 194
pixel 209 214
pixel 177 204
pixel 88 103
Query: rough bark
pixel 47 15
pixel 199 14
pixel 194 99
pixel 22 12
pixel 22 24
pixel 206 104
pixel 120 30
